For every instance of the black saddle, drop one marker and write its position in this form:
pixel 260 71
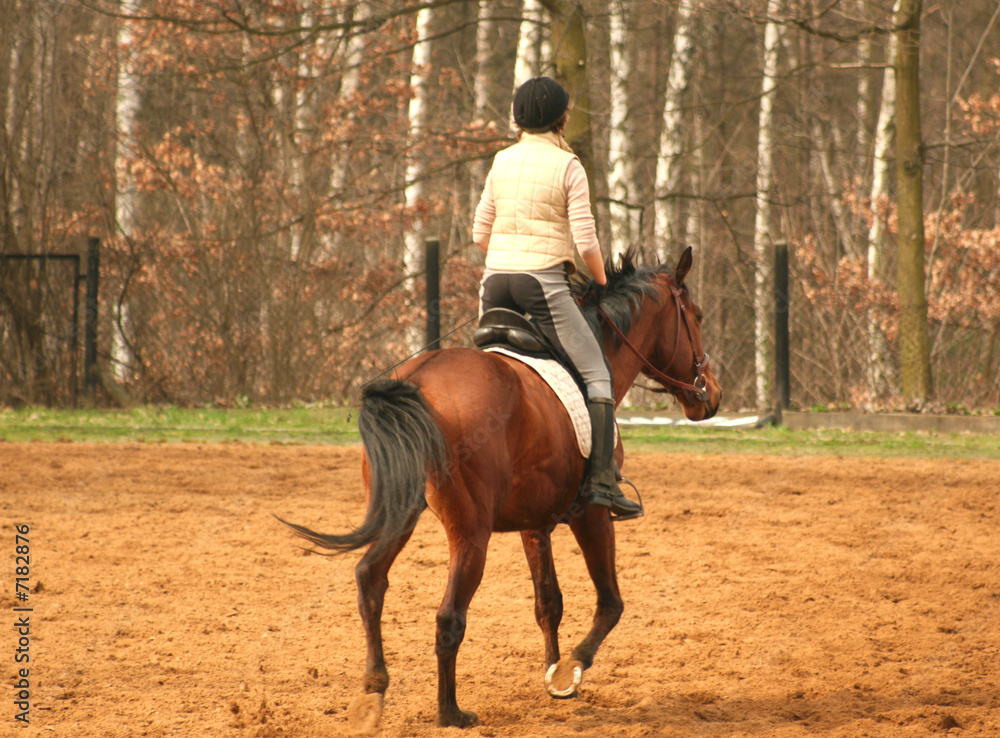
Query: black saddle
pixel 512 330
pixel 503 327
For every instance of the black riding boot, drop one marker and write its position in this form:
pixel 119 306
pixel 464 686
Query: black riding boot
pixel 602 488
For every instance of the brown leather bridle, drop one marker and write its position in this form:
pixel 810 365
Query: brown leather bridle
pixel 697 389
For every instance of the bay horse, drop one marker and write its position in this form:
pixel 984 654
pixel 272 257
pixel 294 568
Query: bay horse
pixel 482 440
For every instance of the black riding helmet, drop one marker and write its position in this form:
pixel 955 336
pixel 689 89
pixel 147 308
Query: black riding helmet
pixel 539 103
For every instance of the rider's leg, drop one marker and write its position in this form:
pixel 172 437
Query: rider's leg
pixel 545 295
pixel 602 487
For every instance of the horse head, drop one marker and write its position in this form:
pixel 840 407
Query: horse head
pixel 678 354
pixel 648 314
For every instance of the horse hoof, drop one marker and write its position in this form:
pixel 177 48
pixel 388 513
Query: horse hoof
pixel 365 711
pixel 458 719
pixel 564 678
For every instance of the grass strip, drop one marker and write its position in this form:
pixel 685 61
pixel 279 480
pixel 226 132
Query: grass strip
pixel 313 425
pixel 320 424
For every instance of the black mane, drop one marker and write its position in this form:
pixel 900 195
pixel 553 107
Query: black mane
pixel 628 284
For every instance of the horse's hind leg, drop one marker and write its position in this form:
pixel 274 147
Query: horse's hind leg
pixel 548 597
pixel 468 559
pixel 595 534
pixel 372 575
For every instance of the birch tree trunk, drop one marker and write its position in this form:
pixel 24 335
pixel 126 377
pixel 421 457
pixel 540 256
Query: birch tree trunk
pixel 668 169
pixel 127 102
pixel 413 236
pixel 914 345
pixel 864 86
pixel 481 87
pixel 885 131
pixel 302 219
pixel 884 137
pixel 481 100
pixel 532 49
pixel 763 237
pixel 349 84
pixel 624 225
pixel 417 114
pixel 282 93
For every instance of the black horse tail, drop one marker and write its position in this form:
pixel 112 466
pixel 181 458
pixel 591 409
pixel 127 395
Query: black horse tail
pixel 404 445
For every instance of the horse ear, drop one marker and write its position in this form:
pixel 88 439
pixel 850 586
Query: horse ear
pixel 683 266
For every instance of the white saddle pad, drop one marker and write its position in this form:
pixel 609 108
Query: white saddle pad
pixel 566 389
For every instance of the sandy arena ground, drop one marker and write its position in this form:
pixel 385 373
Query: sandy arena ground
pixel 764 596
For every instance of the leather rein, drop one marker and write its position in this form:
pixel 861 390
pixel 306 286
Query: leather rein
pixel 699 388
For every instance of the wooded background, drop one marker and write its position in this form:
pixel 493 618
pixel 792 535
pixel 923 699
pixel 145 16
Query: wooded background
pixel 262 176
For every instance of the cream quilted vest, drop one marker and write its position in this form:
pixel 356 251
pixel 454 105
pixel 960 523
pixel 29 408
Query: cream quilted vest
pixel 531 230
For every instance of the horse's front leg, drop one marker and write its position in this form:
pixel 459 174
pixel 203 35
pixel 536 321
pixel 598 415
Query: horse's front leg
pixel 548 597
pixel 595 534
pixel 468 559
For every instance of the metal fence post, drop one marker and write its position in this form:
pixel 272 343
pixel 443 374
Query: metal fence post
pixel 432 252
pixel 90 374
pixel 781 350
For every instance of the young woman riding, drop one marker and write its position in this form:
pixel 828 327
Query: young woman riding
pixel 535 208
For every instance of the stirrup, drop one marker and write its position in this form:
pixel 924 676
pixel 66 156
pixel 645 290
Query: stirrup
pixel 642 508
pixel 606 500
